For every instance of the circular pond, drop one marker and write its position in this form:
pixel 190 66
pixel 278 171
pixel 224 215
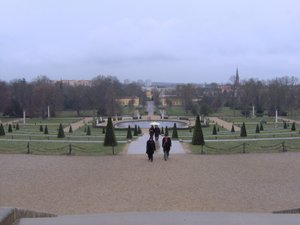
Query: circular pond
pixel 148 123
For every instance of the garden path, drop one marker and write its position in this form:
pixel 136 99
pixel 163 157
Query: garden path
pixel 78 124
pixel 138 146
pixel 226 125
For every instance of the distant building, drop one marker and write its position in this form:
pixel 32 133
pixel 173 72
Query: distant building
pixel 173 100
pixel 126 101
pixel 75 82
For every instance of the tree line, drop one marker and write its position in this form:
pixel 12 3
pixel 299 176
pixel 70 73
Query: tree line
pixel 281 93
pixel 35 97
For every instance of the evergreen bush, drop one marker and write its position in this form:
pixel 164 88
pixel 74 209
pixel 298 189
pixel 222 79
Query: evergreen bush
pixel 41 128
pixel 175 133
pixel 70 129
pixel 46 130
pixel 284 125
pixel 214 132
pixel 243 131
pixel 167 131
pixel 257 129
pixel 110 138
pixel 162 130
pixel 88 131
pixel 293 126
pixel 103 130
pixel 135 132
pixel 9 128
pixel 261 127
pixel 198 138
pixel 129 133
pixel 17 126
pixel 232 129
pixel 2 131
pixel 61 133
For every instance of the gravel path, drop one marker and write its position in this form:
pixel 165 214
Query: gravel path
pixel 226 125
pixel 139 146
pixel 78 124
pixel 129 183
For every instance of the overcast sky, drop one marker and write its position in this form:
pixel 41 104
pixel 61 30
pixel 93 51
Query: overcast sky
pixel 161 40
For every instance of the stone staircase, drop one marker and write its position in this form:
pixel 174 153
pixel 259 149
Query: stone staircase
pixel 151 218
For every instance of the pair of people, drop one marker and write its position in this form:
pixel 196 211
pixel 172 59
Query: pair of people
pixel 154 131
pixel 151 147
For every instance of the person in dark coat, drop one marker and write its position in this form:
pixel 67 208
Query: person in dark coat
pixel 156 132
pixel 151 131
pixel 150 148
pixel 166 144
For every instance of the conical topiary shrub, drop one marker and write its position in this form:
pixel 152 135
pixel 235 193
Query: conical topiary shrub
pixel 232 129
pixel 198 138
pixel 2 131
pixel 41 128
pixel 257 129
pixel 293 126
pixel 70 129
pixel 214 132
pixel 175 133
pixel 162 131
pixel 9 128
pixel 139 130
pixel 129 133
pixel 110 138
pixel 135 132
pixel 167 131
pixel 103 130
pixel 88 130
pixel 61 133
pixel 243 131
pixel 261 128
pixel 17 126
pixel 284 125
pixel 46 130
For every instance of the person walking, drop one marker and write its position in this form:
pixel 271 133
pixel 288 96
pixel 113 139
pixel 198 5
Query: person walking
pixel 150 148
pixel 151 131
pixel 156 132
pixel 166 144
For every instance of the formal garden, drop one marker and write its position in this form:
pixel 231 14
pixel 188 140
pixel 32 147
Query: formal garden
pixel 41 136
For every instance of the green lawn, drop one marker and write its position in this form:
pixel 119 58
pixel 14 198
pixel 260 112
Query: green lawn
pixel 250 147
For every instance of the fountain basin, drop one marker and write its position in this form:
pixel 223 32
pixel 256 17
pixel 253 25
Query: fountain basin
pixel 147 123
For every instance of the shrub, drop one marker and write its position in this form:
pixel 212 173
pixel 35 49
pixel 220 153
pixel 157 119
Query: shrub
pixel 129 134
pixel 135 132
pixel 41 128
pixel 293 126
pixel 17 126
pixel 70 129
pixel 46 130
pixel 175 133
pixel 9 128
pixel 88 131
pixel 261 128
pixel 243 131
pixel 61 133
pixel 257 129
pixel 214 132
pixel 167 131
pixel 232 129
pixel 2 131
pixel 198 138
pixel 110 138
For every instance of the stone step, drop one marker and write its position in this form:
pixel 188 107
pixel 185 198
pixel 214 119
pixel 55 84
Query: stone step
pixel 169 218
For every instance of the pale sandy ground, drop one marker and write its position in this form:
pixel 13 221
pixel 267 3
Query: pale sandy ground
pixel 129 183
